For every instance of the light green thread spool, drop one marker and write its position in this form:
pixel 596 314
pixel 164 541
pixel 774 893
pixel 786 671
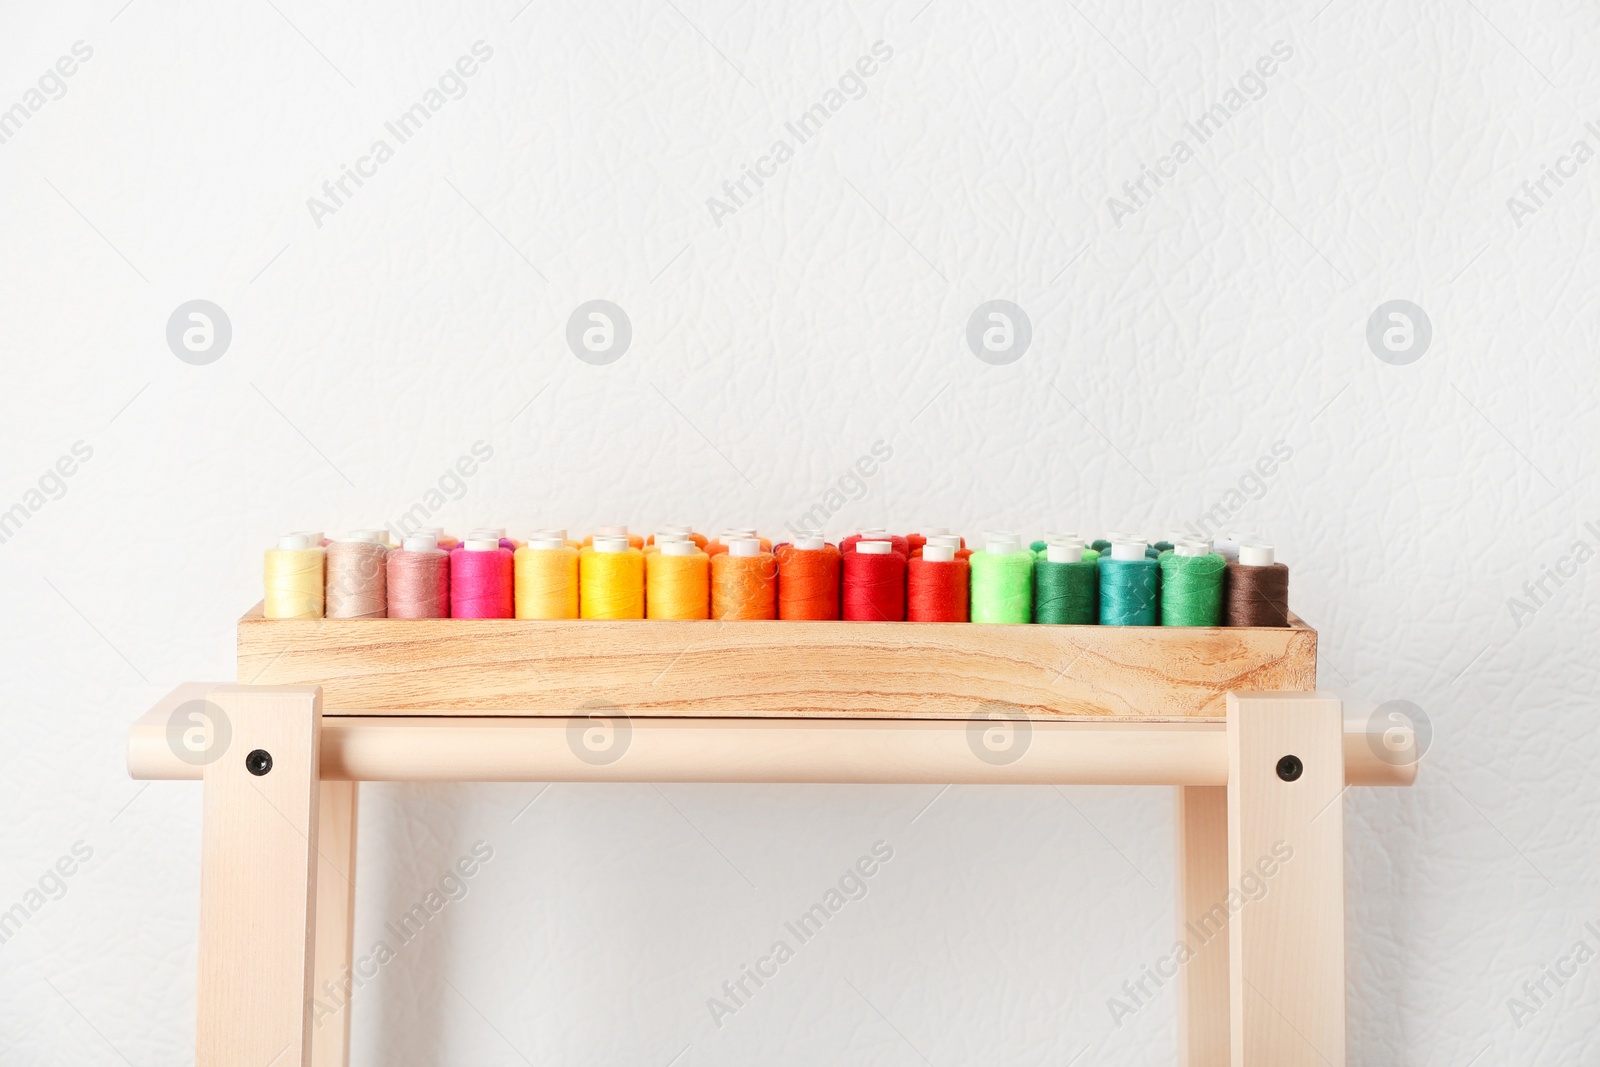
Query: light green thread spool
pixel 1191 585
pixel 1002 581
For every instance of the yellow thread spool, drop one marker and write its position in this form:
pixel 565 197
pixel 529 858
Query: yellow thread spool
pixel 546 574
pixel 634 540
pixel 293 579
pixel 677 581
pixel 611 580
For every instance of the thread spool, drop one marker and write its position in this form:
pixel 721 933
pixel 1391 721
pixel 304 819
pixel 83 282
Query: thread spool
pixel 1129 586
pixel 545 578
pixel 634 540
pixel 1002 581
pixel 874 585
pixel 357 586
pixel 440 538
pixel 418 575
pixel 1256 589
pixel 958 544
pixel 937 585
pixel 1229 546
pixel 488 533
pixel 899 543
pixel 677 581
pixel 481 580
pixel 611 580
pixel 744 582
pixel 292 578
pixel 1066 586
pixel 559 535
pixel 915 541
pixel 1191 585
pixel 808 579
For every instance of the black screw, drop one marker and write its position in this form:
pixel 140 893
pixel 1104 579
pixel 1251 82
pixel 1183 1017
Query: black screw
pixel 259 762
pixel 1289 767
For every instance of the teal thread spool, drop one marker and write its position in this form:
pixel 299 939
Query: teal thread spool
pixel 1191 585
pixel 1066 587
pixel 1129 586
pixel 1002 581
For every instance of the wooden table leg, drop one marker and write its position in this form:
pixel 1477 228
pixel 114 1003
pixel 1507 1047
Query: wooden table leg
pixel 1201 822
pixel 332 981
pixel 1286 859
pixel 258 881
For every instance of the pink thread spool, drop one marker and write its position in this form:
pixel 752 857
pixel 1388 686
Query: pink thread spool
pixel 419 580
pixel 480 580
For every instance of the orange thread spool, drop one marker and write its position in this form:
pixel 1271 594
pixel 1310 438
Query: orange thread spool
pixel 744 582
pixel 808 579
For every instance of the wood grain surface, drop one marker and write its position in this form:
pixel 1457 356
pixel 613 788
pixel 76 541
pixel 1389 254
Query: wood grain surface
pixel 773 669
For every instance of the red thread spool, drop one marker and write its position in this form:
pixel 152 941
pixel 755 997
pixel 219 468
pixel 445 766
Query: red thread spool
pixel 480 580
pixel 808 579
pixel 936 589
pixel 874 583
pixel 901 546
pixel 915 541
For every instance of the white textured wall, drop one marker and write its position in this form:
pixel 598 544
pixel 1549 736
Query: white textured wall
pixel 1170 352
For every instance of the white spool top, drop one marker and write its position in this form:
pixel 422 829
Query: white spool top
pixel 314 536
pixel 481 544
pixel 938 553
pixel 744 547
pixel 1192 548
pixel 367 536
pixel 875 548
pixel 295 542
pixel 1255 555
pixel 546 544
pixel 1062 539
pixel 1002 544
pixel 945 539
pixel 875 533
pixel 934 531
pixel 611 531
pixel 810 543
pixel 1063 553
pixel 1127 551
pixel 611 544
pixel 548 534
pixel 424 542
pixel 679 548
pixel 666 536
pixel 673 528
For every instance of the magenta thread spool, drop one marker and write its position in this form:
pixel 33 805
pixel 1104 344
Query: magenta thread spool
pixel 480 580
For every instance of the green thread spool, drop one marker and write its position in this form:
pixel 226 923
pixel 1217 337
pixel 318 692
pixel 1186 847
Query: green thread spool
pixel 1002 581
pixel 1129 586
pixel 1191 585
pixel 1066 587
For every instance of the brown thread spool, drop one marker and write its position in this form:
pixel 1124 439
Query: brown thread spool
pixel 1257 592
pixel 357 581
pixel 419 580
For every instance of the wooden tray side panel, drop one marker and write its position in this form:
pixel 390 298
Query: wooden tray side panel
pixel 772 669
